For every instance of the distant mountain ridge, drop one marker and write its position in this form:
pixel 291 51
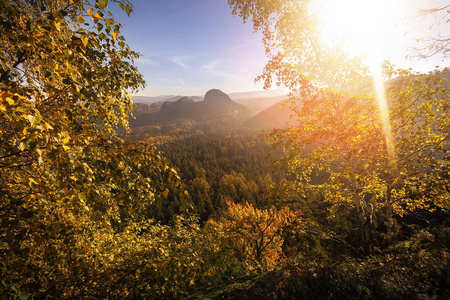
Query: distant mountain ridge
pixel 164 98
pixel 256 100
pixel 216 105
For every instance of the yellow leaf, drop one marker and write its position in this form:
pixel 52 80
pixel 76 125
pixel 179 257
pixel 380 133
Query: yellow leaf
pixel 90 11
pixel 80 19
pixel 166 193
pixel 115 34
pixel 2 107
pixel 5 96
pixel 48 126
pixel 33 120
pixel 84 40
pixel 81 196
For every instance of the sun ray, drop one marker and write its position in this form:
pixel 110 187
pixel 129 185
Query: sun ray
pixel 364 27
pixel 384 115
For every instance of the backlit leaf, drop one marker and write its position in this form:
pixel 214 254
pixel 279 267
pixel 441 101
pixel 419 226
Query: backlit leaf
pixel 84 40
pixel 33 120
pixel 82 196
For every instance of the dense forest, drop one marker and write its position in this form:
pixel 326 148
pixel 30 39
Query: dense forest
pixel 348 201
pixel 220 168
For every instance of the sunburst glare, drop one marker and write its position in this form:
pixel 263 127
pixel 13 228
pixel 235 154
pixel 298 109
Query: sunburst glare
pixel 365 28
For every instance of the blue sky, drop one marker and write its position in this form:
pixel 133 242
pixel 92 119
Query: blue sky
pixel 190 46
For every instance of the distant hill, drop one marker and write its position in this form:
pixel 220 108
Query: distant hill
pixel 257 94
pixel 272 117
pixel 166 98
pixel 150 100
pixel 259 100
pixel 216 105
pixel 260 104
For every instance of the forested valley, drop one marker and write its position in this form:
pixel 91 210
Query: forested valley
pixel 103 198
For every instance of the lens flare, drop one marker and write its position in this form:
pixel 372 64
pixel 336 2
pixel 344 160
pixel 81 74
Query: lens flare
pixel 367 28
pixel 384 115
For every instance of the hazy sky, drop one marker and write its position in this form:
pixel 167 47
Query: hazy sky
pixel 190 46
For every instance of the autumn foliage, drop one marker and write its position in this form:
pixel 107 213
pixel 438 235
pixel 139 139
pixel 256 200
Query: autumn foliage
pixel 256 234
pixel 77 203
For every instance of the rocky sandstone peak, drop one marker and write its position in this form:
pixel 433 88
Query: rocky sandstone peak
pixel 216 95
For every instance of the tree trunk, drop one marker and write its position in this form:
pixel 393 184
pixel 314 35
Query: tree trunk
pixel 389 214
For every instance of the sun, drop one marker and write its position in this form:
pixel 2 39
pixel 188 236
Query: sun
pixel 364 27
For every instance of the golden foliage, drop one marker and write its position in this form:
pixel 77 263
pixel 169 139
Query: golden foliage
pixel 256 236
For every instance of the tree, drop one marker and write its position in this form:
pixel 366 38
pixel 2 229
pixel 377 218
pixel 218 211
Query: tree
pixel 256 234
pixel 68 184
pixel 339 145
pixel 437 44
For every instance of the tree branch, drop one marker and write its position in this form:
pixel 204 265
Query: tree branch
pixel 20 60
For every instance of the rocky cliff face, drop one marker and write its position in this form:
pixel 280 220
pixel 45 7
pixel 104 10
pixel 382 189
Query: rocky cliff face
pixel 217 96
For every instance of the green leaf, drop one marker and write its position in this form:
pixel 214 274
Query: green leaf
pixel 102 4
pixel 128 10
pixel 24 296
